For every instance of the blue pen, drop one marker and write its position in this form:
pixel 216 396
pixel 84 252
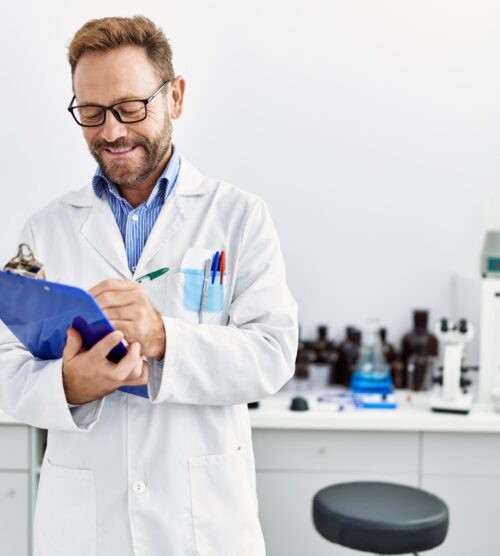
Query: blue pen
pixel 215 265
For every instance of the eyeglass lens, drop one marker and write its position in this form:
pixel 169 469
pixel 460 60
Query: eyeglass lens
pixel 129 112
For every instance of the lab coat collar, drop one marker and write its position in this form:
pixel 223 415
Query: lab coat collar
pixel 189 183
pixel 102 232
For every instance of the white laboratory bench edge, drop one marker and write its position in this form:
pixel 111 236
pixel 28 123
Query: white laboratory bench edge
pixel 412 414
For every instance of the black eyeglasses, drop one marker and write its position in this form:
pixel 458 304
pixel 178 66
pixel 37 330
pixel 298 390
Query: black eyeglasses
pixel 126 111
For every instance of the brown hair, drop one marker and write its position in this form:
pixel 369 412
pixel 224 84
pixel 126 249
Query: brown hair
pixel 108 33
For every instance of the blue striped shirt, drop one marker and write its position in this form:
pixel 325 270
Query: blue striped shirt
pixel 136 223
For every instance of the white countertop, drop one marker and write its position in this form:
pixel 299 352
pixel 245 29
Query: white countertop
pixel 413 415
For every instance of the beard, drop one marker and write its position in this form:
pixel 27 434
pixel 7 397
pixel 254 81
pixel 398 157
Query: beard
pixel 132 173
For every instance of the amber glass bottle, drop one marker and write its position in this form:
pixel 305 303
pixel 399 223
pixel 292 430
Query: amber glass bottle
pixel 388 349
pixel 348 353
pixel 393 359
pixel 419 350
pixel 323 360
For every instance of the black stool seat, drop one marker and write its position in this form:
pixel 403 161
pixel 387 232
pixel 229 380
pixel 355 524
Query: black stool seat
pixel 380 517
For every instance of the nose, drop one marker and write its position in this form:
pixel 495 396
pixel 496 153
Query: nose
pixel 112 129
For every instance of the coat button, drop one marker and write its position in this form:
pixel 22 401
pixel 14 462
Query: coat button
pixel 139 487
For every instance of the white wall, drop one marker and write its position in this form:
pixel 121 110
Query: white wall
pixel 372 129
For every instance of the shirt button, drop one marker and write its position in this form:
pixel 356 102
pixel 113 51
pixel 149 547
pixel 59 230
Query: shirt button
pixel 135 217
pixel 134 268
pixel 139 487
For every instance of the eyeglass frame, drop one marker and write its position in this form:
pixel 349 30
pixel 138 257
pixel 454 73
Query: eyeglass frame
pixel 111 108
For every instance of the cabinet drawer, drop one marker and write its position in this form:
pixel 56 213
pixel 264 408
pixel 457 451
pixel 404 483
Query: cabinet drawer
pixel 461 454
pixel 14 513
pixel 339 451
pixel 14 447
pixel 474 504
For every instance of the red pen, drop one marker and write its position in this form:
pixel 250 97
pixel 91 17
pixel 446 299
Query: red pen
pixel 222 266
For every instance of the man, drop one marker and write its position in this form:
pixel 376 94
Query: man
pixel 171 474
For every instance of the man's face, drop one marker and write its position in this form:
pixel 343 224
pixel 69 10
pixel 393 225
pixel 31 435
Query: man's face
pixel 127 153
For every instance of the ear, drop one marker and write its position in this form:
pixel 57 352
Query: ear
pixel 177 97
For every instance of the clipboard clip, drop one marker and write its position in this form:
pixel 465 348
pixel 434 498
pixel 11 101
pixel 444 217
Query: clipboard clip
pixel 25 264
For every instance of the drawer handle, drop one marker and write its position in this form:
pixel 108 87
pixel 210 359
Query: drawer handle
pixel 11 492
pixel 322 451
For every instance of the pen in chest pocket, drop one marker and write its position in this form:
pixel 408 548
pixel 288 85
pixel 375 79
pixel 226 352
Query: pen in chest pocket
pixel 222 266
pixel 204 293
pixel 215 265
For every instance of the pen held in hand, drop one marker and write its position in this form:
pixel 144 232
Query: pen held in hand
pixel 153 275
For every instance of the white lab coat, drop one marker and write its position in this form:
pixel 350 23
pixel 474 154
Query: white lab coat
pixel 173 475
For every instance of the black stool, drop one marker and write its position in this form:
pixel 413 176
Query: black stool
pixel 383 518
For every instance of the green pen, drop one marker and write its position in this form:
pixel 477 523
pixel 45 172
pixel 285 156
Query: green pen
pixel 153 275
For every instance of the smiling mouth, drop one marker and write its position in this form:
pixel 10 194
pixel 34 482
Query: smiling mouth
pixel 120 151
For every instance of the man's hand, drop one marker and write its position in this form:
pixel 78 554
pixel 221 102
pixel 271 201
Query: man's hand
pixel 128 308
pixel 88 375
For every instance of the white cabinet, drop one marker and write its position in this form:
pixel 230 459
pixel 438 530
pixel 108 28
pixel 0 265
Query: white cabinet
pixel 461 468
pixel 14 447
pixel 339 451
pixel 464 470
pixel 14 513
pixel 474 504
pixel 293 465
pixel 15 488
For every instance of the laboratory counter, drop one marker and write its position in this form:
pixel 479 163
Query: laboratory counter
pixel 297 453
pixel 456 457
pixel 411 414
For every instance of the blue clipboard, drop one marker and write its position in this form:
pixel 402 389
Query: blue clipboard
pixel 39 314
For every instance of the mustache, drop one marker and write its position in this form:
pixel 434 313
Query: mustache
pixel 118 144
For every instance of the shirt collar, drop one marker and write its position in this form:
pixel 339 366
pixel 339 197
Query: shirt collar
pixel 102 185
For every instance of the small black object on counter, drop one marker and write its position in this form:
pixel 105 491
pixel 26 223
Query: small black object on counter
pixel 299 404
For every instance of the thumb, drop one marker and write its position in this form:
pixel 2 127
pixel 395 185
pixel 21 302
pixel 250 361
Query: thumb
pixel 74 344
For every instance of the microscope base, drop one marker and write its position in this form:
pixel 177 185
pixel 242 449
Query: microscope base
pixel 462 404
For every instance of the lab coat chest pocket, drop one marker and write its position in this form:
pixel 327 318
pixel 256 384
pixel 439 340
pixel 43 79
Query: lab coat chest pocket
pixel 65 517
pixel 224 506
pixel 185 287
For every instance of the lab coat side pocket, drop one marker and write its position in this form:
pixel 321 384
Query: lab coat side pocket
pixel 224 506
pixel 66 513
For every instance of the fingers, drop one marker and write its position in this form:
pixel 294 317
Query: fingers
pixel 74 344
pixel 127 328
pixel 129 313
pixel 104 346
pixel 130 364
pixel 111 299
pixel 111 285
pixel 142 372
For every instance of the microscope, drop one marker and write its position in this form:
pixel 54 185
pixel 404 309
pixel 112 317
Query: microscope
pixel 451 393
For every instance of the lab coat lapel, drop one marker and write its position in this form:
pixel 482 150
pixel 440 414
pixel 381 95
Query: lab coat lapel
pixel 168 222
pixel 101 230
pixel 173 214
